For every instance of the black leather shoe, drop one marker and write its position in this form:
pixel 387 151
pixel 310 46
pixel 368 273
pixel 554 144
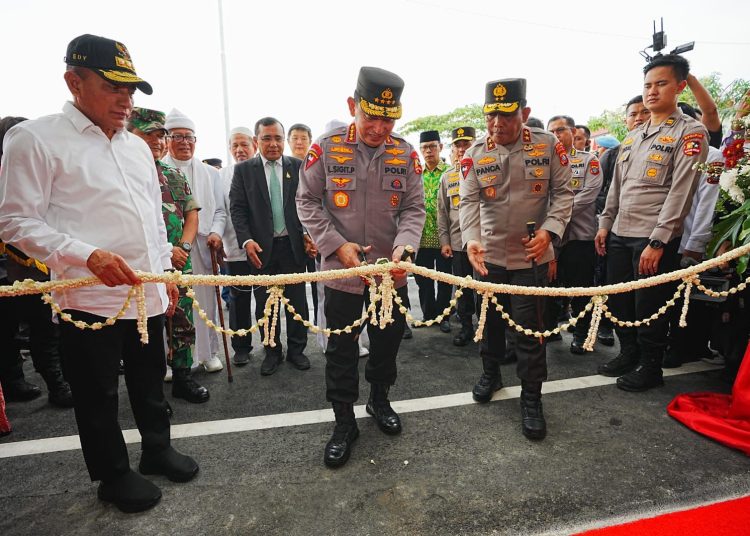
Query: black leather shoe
pixel 622 364
pixel 20 391
pixel 60 395
pixel 576 347
pixel 170 463
pixel 129 492
pixel 606 336
pixel 533 424
pixel 270 363
pixel 641 379
pixel 407 332
pixel 299 361
pixel 185 387
pixel 445 326
pixel 380 407
pixel 486 387
pixel 241 358
pixel 464 336
pixel 339 447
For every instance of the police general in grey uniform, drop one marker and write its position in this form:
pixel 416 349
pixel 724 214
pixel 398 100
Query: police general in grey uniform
pixel 449 229
pixel 360 195
pixel 650 196
pixel 516 174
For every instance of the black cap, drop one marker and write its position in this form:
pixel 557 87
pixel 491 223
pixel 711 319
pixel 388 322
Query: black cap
pixel 379 92
pixel 429 135
pixel 107 58
pixel 463 133
pixel 504 96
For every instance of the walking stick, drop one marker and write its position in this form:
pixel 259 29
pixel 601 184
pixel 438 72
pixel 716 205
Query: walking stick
pixel 531 228
pixel 214 268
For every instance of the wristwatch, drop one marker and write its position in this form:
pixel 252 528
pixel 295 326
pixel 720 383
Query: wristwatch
pixel 656 244
pixel 186 246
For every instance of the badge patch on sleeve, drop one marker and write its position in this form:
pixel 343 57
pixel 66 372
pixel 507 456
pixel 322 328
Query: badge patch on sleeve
pixel 560 150
pixel 691 148
pixel 594 168
pixel 313 155
pixel 415 161
pixel 466 165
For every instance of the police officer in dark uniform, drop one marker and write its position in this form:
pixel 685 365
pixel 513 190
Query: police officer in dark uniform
pixel 514 175
pixel 360 195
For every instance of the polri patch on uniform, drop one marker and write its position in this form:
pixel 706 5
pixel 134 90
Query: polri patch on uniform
pixel 416 163
pixel 466 165
pixel 313 155
pixel 394 200
pixel 691 148
pixel 561 153
pixel 341 199
pixel 594 168
pixel 396 184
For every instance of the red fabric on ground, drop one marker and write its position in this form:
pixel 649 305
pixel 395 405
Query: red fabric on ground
pixel 4 423
pixel 728 518
pixel 723 418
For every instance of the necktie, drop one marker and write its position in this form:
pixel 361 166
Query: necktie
pixel 277 204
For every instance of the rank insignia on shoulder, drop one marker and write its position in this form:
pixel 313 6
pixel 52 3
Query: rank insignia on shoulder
pixel 341 199
pixel 669 122
pixel 415 161
pixel 486 160
pixel 526 135
pixel 560 150
pixel 313 155
pixel 627 141
pixel 490 144
pixel 594 168
pixel 351 134
pixel 466 165
pixel 341 159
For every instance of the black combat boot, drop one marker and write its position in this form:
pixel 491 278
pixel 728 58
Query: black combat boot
pixel 345 432
pixel 489 382
pixel 533 424
pixel 627 359
pixel 58 388
pixel 379 407
pixel 647 374
pixel 464 336
pixel 183 386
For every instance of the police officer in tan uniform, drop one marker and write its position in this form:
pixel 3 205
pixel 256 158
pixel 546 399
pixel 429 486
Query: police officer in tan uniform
pixel 360 196
pixel 514 175
pixel 577 258
pixel 449 229
pixel 650 196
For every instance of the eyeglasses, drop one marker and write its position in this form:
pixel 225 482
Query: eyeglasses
pixel 430 147
pixel 559 130
pixel 179 137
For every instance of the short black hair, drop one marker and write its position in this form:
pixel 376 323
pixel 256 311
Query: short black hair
pixel 638 99
pixel 267 122
pixel 586 129
pixel 534 122
pixel 568 120
pixel 6 123
pixel 680 66
pixel 300 126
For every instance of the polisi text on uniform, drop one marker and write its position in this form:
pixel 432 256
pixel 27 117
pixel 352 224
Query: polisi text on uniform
pixel 341 169
pixel 495 168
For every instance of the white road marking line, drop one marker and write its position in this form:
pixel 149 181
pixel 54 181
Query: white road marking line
pixel 264 422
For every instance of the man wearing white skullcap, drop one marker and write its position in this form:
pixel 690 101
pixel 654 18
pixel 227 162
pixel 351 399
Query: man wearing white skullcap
pixel 205 183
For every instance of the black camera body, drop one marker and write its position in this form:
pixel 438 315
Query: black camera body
pixel 659 43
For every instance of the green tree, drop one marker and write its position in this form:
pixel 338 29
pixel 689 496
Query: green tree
pixel 465 116
pixel 613 121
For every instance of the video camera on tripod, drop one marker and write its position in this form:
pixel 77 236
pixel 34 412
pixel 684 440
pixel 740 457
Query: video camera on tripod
pixel 660 43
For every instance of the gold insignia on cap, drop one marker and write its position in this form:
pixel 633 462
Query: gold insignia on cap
pixel 387 93
pixel 499 92
pixel 460 132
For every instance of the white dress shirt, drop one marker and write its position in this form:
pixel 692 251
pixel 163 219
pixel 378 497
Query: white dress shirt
pixel 66 190
pixel 700 220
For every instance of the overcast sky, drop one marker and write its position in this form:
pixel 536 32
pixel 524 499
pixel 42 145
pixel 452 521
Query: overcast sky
pixel 298 60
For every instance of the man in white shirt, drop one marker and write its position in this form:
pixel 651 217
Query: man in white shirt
pixel 80 193
pixel 242 146
pixel 205 183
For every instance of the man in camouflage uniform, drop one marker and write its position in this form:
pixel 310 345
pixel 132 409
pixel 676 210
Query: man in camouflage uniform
pixel 516 174
pixel 181 219
pixel 449 229
pixel 360 196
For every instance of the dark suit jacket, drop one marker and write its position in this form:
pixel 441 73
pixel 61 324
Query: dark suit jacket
pixel 250 207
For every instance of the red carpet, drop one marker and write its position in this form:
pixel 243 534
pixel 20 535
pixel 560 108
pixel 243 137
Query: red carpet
pixel 721 519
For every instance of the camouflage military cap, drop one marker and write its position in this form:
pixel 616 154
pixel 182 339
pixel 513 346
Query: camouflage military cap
pixel 147 120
